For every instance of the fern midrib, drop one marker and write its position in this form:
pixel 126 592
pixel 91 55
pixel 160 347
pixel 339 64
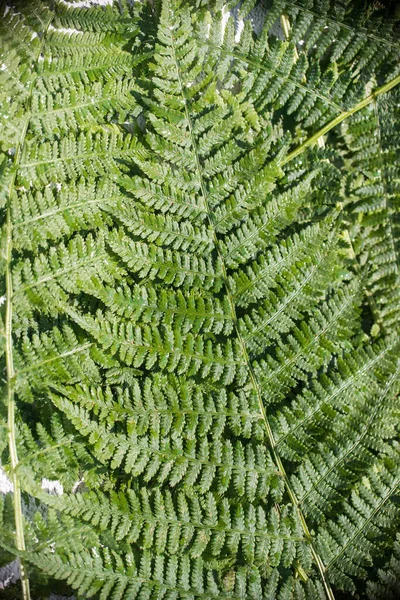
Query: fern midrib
pixel 270 435
pixel 85 155
pixel 367 366
pixel 191 411
pixel 94 328
pixel 42 114
pixel 89 426
pixel 367 521
pixel 63 208
pixel 133 304
pixel 168 262
pixel 357 442
pixel 19 524
pixel 314 339
pixel 181 204
pixel 149 230
pixel 148 517
pixel 271 267
pixel 383 89
pixel 77 266
pixel 366 32
pixel 165 351
pixel 331 124
pixel 257 230
pixel 26 460
pixel 84 69
pixel 260 65
pixel 46 361
pixel 226 216
pixel 18 515
pixel 289 298
pixel 123 576
pixel 321 143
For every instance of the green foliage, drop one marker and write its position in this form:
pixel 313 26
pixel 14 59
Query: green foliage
pixel 200 319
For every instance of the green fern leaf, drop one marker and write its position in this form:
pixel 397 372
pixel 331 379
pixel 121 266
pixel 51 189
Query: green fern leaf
pixel 199 306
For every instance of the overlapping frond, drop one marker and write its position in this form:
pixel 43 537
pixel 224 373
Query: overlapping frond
pixel 373 190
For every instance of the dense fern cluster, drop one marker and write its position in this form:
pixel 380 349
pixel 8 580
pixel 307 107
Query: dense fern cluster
pixel 200 244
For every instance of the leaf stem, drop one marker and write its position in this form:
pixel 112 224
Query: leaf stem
pixel 321 143
pixel 12 442
pixel 344 115
pixel 254 382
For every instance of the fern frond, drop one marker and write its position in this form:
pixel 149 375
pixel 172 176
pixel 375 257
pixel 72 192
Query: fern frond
pixel 387 584
pixel 373 209
pixel 46 283
pixel 199 323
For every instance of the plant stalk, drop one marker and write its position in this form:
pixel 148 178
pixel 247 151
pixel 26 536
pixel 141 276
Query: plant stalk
pixel 270 436
pixel 12 442
pixel 342 117
pixel 19 524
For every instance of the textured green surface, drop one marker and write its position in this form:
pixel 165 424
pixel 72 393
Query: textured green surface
pixel 200 248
